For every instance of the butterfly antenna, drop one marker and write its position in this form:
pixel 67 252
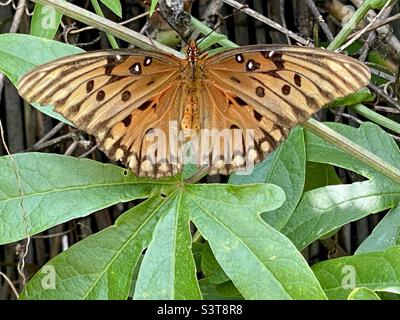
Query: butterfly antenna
pixel 172 27
pixel 219 23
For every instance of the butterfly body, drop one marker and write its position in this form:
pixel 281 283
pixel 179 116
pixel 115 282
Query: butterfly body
pixel 231 109
pixel 193 77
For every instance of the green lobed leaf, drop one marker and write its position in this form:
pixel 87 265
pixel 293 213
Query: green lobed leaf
pixel 325 209
pixel 377 271
pixel 261 262
pixel 384 235
pixel 320 175
pixel 210 267
pixel 223 291
pixel 368 135
pixel 101 265
pixel 168 270
pixel 59 188
pixel 285 167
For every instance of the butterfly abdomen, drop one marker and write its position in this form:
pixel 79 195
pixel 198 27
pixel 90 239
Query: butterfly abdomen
pixel 191 117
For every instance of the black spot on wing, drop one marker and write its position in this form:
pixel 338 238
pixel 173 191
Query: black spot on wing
pixel 275 57
pixel 239 101
pixel 126 95
pixel 260 91
pixel 127 120
pixel 100 95
pixel 297 80
pixel 89 86
pixel 145 105
pixel 286 89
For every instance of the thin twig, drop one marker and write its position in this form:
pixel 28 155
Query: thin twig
pixel 366 46
pixel 380 73
pixel 52 142
pixel 386 109
pixel 18 16
pixel 348 116
pixel 320 19
pixel 365 29
pixel 49 134
pixel 379 24
pixel 54 235
pixel 282 18
pixel 5 3
pixel 267 21
pixel 84 155
pixel 389 99
pixel 85 44
pixel 384 30
pixel 71 148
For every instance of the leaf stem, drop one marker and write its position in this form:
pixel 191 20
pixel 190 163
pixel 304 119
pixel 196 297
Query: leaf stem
pixel 376 117
pixel 357 17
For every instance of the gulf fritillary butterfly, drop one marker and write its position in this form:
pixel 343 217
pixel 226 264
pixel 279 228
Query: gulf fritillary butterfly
pixel 122 96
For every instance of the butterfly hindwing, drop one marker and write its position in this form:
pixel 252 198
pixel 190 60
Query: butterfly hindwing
pixel 141 141
pixel 251 136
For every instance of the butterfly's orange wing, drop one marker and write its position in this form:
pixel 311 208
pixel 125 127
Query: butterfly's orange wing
pixel 272 88
pixel 125 97
pixel 118 96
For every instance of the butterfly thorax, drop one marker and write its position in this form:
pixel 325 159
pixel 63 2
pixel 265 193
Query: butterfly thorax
pixel 192 52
